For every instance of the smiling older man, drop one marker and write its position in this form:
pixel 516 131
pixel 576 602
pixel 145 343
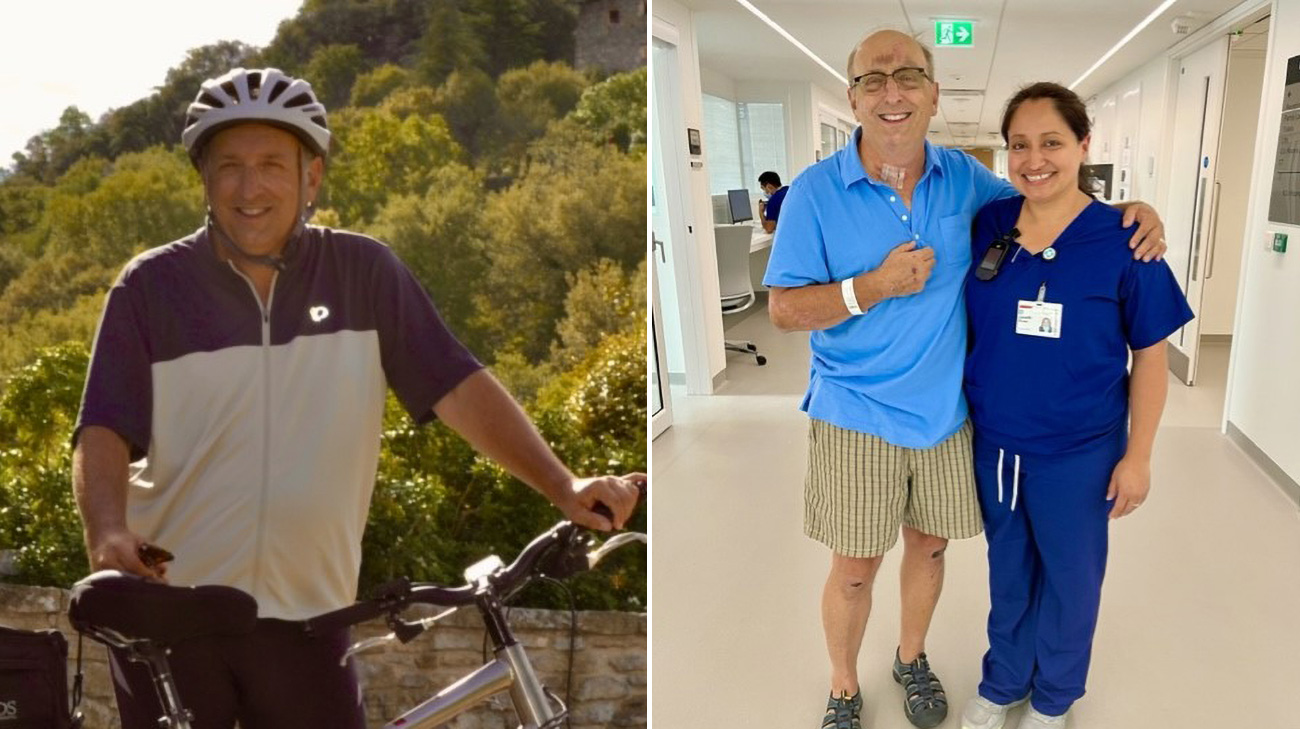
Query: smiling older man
pixel 244 369
pixel 870 256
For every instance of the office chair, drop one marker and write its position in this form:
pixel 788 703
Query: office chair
pixel 735 289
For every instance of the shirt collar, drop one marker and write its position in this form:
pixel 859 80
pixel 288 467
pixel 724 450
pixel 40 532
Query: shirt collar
pixel 850 164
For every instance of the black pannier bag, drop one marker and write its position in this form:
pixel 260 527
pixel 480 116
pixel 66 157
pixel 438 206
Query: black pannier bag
pixel 34 681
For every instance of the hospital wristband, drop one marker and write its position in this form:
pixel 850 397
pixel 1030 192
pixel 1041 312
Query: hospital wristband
pixel 850 297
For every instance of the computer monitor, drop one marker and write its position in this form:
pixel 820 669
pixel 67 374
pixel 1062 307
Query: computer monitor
pixel 738 203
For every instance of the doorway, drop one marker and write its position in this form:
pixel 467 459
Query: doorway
pixel 1218 100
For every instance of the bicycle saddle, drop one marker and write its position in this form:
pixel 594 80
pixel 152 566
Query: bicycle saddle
pixel 138 610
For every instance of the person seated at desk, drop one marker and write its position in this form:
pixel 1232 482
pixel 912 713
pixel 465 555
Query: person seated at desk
pixel 769 209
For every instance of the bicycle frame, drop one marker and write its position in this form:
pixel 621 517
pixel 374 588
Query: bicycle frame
pixel 510 670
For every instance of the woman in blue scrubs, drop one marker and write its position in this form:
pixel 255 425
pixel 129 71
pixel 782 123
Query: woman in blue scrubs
pixel 1063 432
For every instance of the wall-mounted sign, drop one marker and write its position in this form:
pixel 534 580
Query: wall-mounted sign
pixel 954 33
pixel 1284 203
pixel 693 141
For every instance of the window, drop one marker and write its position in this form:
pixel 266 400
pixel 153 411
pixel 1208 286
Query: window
pixel 741 141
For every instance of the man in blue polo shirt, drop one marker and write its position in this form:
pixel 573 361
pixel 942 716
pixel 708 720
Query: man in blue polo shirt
pixel 770 209
pixel 873 247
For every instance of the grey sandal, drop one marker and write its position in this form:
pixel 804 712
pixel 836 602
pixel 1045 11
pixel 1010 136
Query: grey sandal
pixel 924 702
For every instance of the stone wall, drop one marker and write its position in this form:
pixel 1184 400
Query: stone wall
pixel 609 665
pixel 611 35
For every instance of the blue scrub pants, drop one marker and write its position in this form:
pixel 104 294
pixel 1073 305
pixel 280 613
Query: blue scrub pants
pixel 1047 558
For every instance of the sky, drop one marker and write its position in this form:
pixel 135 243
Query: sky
pixel 103 54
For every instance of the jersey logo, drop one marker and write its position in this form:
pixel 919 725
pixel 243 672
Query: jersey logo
pixel 318 313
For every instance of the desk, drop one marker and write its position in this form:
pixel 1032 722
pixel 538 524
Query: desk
pixel 760 248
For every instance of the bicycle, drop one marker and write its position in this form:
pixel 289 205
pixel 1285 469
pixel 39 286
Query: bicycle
pixel 144 619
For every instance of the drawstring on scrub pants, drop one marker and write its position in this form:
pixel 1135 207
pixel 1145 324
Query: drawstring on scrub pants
pixel 1015 480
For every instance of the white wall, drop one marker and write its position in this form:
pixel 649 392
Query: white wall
pixel 1146 134
pixel 1241 107
pixel 698 213
pixel 1264 393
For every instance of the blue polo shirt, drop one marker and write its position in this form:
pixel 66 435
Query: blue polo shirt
pixel 773 209
pixel 894 372
pixel 1045 395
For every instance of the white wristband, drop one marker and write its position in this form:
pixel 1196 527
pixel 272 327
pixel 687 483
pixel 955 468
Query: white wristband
pixel 850 297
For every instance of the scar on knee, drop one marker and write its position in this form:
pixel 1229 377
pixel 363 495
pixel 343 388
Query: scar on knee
pixel 855 584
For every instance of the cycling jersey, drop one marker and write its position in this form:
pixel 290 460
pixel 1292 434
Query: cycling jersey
pixel 255 430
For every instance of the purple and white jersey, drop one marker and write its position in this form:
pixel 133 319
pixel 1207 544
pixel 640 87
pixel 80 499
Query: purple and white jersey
pixel 254 431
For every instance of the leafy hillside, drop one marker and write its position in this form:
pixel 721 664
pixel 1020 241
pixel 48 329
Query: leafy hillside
pixel 512 185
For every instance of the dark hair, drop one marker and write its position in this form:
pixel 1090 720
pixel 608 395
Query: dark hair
pixel 769 178
pixel 1067 104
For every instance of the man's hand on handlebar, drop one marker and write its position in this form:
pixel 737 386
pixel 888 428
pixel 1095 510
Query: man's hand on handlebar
pixel 120 550
pixel 620 494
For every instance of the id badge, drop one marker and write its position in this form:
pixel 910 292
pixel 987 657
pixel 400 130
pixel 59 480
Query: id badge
pixel 1039 319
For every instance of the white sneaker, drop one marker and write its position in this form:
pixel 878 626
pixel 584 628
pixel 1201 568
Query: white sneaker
pixel 980 713
pixel 1035 720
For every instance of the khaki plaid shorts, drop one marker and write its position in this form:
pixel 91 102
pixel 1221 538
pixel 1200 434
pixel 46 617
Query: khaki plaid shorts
pixel 860 488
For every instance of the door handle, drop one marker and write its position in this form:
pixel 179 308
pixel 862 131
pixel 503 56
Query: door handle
pixel 1214 230
pixel 1198 230
pixel 656 243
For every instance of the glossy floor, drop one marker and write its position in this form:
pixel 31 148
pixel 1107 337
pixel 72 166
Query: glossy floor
pixel 1200 622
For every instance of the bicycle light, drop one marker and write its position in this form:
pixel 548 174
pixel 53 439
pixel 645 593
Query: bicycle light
pixel 477 572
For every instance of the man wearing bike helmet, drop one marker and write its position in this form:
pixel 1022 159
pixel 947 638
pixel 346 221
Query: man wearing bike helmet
pixel 233 407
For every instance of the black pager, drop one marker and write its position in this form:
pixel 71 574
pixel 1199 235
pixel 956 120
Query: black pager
pixel 992 260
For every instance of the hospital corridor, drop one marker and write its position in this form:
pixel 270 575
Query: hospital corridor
pixel 777 173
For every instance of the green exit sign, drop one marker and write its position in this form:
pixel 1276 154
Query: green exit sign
pixel 954 33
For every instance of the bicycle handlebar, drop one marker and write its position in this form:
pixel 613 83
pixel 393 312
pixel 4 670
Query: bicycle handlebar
pixel 556 546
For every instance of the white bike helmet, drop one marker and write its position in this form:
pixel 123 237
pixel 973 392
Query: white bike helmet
pixel 261 95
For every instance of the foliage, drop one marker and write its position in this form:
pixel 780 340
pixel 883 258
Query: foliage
pixel 438 507
pixel 602 298
pixel 22 342
pixel 528 99
pixel 467 100
pixel 615 109
pixel 542 227
pixel 449 44
pixel 374 86
pixel 38 518
pixel 149 198
pixel 439 237
pixel 511 186
pixel 381 154
pixel 332 70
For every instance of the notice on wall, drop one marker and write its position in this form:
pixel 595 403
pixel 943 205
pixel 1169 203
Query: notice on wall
pixel 1284 203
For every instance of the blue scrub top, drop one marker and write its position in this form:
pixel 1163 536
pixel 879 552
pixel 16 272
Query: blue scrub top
pixel 894 372
pixel 773 209
pixel 1044 395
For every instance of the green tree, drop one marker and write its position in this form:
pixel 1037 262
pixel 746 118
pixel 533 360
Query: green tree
pixel 439 237
pixel 528 99
pixel 467 100
pixel 381 155
pixel 413 101
pixel 449 44
pixel 38 518
pixel 602 298
pixel 561 217
pixel 332 71
pixel 373 87
pixel 615 110
pixel 150 198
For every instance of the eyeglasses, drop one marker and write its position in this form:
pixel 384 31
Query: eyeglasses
pixel 907 78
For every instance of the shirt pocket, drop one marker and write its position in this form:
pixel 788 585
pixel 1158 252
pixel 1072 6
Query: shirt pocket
pixel 955 248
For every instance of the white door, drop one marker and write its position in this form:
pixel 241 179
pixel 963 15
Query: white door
pixel 661 402
pixel 679 282
pixel 1197 115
